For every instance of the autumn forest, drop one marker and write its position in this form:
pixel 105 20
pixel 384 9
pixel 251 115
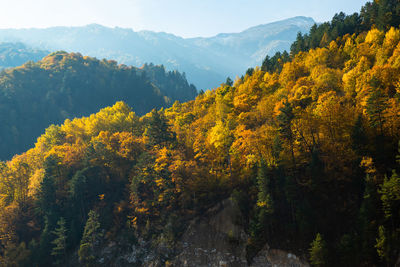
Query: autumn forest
pixel 307 145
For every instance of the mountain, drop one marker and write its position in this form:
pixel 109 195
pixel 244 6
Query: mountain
pixel 296 160
pixel 16 54
pixel 63 85
pixel 304 159
pixel 206 61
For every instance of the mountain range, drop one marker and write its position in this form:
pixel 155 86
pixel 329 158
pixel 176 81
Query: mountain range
pixel 207 62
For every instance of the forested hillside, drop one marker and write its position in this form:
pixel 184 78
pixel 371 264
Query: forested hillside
pixel 380 15
pixel 171 83
pixel 16 54
pixel 64 85
pixel 308 150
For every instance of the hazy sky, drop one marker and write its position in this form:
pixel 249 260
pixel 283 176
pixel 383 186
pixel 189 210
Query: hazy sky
pixel 185 18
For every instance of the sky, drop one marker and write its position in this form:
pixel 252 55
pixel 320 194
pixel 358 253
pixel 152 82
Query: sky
pixel 186 18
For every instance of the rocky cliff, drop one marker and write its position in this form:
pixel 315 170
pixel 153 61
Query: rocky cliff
pixel 214 239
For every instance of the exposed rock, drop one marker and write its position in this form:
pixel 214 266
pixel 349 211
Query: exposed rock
pixel 212 240
pixel 216 240
pixel 276 257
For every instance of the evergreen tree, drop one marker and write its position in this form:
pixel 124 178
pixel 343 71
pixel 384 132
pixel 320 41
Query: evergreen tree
pixel 275 63
pixel 264 190
pixel 60 242
pixel 388 241
pixel 382 245
pixel 368 218
pixel 358 136
pixel 376 105
pixel 158 131
pixel 90 239
pixel 390 196
pixel 284 119
pixel 249 71
pixel 229 81
pixel 318 251
pixel 45 243
pixel 299 45
pixel 47 193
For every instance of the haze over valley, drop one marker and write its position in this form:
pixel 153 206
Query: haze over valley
pixel 207 62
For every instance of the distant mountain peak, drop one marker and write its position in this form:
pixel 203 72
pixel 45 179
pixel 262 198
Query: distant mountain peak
pixel 298 21
pixel 95 25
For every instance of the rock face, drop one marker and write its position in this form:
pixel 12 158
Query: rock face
pixel 276 257
pixel 216 240
pixel 213 240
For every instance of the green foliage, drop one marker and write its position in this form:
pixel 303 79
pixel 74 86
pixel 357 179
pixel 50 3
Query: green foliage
pixel 376 105
pixel 318 251
pixel 368 213
pixel 171 83
pixel 275 63
pixel 158 130
pixel 85 187
pixel 90 239
pixel 264 191
pixel 250 71
pixel 63 85
pixel 382 14
pixel 59 250
pixel 229 81
pixel 381 243
pixel 390 196
pixel 297 148
pixel 284 119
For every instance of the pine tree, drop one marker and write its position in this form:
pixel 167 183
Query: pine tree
pixel 284 119
pixel 381 244
pixel 367 218
pixel 158 131
pixel 263 185
pixel 229 81
pixel 358 136
pixel 90 239
pixel 318 251
pixel 390 196
pixel 60 242
pixel 376 105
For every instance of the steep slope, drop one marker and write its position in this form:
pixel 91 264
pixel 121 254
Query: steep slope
pixel 206 61
pixel 63 86
pixel 309 154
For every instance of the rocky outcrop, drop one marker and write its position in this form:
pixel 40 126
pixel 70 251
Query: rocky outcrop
pixel 216 240
pixel 276 257
pixel 212 240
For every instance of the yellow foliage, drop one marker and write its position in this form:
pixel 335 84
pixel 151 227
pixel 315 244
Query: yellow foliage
pixel 375 37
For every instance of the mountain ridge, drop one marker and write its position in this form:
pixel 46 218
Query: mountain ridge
pixel 207 61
